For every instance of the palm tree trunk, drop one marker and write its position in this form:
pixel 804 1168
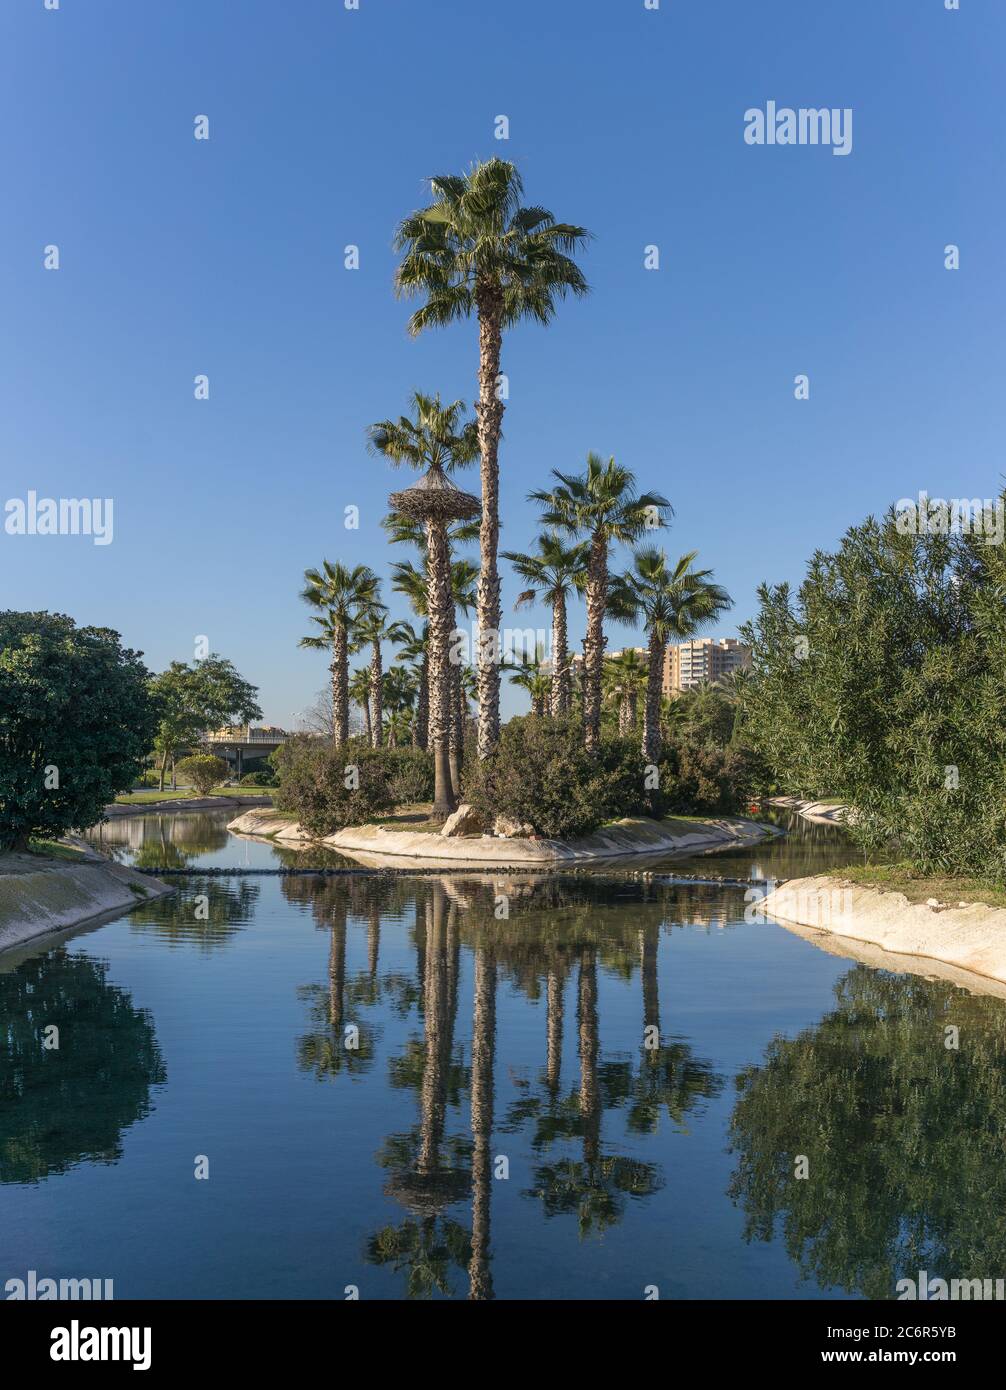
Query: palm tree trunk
pixel 651 709
pixel 340 688
pixel 553 1025
pixel 560 658
pixel 490 423
pixel 624 722
pixel 483 1058
pixel 367 720
pixel 593 646
pixel 440 626
pixel 377 696
pixel 423 710
pixel 457 728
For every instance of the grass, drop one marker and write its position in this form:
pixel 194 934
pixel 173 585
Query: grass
pixel 148 795
pixel 920 888
pixel 51 849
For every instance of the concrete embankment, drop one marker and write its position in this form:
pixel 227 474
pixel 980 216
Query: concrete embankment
pixel 968 937
pixel 622 839
pixel 39 895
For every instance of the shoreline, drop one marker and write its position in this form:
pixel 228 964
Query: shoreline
pixel 115 809
pixel 968 938
pixel 621 840
pixel 40 897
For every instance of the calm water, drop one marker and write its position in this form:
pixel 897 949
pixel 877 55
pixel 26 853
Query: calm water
pixel 501 1129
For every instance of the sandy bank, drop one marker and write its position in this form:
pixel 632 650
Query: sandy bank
pixel 39 895
pixel 821 812
pixel 619 840
pixel 970 937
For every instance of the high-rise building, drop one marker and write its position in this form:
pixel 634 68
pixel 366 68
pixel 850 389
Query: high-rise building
pixel 703 659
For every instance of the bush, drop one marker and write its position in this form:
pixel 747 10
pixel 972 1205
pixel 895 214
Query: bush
pixel 76 719
pixel 543 776
pixel 258 779
pixel 410 774
pixel 313 778
pixel 204 771
pixel 710 779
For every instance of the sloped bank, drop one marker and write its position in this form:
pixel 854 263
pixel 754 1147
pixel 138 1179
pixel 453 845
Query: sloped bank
pixel 616 841
pixel 40 895
pixel 968 936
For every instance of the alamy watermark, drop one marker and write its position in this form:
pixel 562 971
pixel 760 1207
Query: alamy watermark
pixel 967 516
pixel 807 125
pixel 60 516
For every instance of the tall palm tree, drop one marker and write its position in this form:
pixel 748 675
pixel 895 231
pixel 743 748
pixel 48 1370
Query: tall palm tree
pixel 372 629
pixel 673 603
pixel 437 441
pixel 359 693
pixel 476 250
pixel 623 678
pixel 602 506
pixel 551 573
pixel 341 597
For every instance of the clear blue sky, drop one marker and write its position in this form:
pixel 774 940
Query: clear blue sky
pixel 226 257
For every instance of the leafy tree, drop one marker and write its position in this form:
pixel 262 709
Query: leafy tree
pixel 476 250
pixel 602 506
pixel 76 720
pixel 192 699
pixel 882 682
pixel 204 771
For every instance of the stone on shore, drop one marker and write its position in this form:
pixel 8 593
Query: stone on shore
pixel 465 821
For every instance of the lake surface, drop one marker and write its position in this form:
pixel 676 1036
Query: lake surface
pixel 472 1085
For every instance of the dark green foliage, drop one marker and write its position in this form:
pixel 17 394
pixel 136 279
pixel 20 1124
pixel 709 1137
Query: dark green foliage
pixel 410 774
pixel 542 775
pixel 258 779
pixel 313 783
pixel 883 683
pixel 74 701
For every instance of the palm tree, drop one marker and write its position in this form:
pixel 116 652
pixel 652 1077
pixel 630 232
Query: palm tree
pixel 623 677
pixel 400 691
pixel 372 629
pixel 359 693
pixel 475 249
pixel 601 505
pixel 342 596
pixel 550 574
pixel 435 441
pixel 673 604
pixel 412 648
pixel 530 674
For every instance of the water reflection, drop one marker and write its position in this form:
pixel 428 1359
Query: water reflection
pixel 904 1137
pixel 205 911
pixel 68 1104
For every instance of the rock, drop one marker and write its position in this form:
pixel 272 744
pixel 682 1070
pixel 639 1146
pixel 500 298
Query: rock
pixel 465 821
pixel 509 829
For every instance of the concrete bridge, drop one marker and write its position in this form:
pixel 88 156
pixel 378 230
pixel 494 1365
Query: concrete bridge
pixel 243 743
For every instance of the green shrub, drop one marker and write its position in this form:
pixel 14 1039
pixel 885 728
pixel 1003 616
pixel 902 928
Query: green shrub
pixel 410 774
pixel 542 775
pixel 709 779
pixel 258 779
pixel 204 771
pixel 328 788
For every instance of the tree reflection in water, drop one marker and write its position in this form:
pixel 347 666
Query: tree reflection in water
pixel 556 930
pixel 70 1104
pixel 904 1136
